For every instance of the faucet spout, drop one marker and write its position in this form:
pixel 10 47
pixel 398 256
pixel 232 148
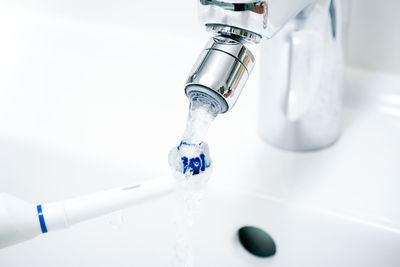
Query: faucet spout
pixel 221 71
pixel 301 70
pixel 259 18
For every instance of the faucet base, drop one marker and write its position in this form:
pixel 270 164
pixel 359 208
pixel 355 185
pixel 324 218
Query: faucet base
pixel 302 80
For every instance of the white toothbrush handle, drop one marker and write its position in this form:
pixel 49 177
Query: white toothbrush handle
pixel 20 221
pixel 64 213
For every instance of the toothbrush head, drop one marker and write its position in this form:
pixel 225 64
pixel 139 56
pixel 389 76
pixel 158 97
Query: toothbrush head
pixel 190 163
pixel 190 159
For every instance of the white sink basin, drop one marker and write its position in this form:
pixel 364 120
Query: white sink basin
pixel 85 107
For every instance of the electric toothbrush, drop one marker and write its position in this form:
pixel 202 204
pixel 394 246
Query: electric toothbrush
pixel 21 220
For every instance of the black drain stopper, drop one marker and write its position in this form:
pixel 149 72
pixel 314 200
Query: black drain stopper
pixel 256 241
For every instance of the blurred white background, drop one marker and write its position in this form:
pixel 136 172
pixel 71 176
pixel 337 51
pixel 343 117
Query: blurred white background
pixel 374 33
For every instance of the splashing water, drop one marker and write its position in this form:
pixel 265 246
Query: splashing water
pixel 191 166
pixel 190 162
pixel 116 219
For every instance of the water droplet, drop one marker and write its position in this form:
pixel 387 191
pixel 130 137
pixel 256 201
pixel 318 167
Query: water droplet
pixel 116 218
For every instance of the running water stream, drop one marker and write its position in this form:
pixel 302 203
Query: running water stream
pixel 191 166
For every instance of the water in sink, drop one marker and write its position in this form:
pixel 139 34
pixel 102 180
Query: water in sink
pixel 191 165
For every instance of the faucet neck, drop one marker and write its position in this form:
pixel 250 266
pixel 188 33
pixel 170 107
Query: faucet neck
pixel 221 70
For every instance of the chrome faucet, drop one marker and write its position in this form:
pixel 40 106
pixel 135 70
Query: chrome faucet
pixel 302 65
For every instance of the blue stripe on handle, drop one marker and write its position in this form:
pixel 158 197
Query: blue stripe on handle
pixel 41 219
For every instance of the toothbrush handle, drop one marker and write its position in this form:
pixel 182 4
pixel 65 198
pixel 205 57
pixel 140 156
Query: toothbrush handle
pixel 59 215
pixel 21 221
pixel 18 220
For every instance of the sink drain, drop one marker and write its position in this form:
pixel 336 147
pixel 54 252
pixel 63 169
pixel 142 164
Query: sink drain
pixel 256 241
